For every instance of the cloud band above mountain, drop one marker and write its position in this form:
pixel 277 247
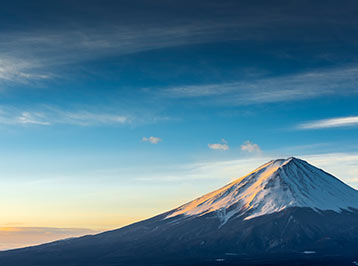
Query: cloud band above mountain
pixel 331 123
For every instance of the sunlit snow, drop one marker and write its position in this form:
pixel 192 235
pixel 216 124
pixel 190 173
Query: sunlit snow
pixel 274 186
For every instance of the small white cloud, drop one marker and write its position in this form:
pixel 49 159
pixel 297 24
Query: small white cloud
pixel 250 147
pixel 153 140
pixel 219 146
pixel 329 123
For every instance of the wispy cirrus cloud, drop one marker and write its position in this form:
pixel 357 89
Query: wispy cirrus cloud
pixel 314 84
pixel 88 118
pixel 53 48
pixel 30 118
pixel 48 115
pixel 20 70
pixel 330 123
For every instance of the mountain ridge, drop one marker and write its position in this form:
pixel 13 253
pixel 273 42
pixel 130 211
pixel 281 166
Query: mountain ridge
pixel 273 187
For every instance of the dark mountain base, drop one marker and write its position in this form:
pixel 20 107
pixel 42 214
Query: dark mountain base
pixel 295 236
pixel 286 260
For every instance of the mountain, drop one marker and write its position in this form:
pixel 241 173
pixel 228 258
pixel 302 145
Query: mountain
pixel 286 212
pixel 273 187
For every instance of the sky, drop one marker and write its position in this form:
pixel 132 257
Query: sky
pixel 115 111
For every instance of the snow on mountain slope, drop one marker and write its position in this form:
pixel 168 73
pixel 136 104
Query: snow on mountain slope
pixel 274 186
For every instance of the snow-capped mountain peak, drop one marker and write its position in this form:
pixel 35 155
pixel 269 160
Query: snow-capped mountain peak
pixel 273 187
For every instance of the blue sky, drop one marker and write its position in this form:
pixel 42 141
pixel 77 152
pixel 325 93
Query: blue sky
pixel 113 112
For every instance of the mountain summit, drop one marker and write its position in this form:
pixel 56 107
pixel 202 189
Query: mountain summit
pixel 273 187
pixel 286 212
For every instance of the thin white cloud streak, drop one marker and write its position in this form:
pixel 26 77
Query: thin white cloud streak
pixel 250 147
pixel 124 38
pixel 51 48
pixel 51 116
pixel 28 118
pixel 87 118
pixel 20 70
pixel 330 123
pixel 152 140
pixel 340 81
